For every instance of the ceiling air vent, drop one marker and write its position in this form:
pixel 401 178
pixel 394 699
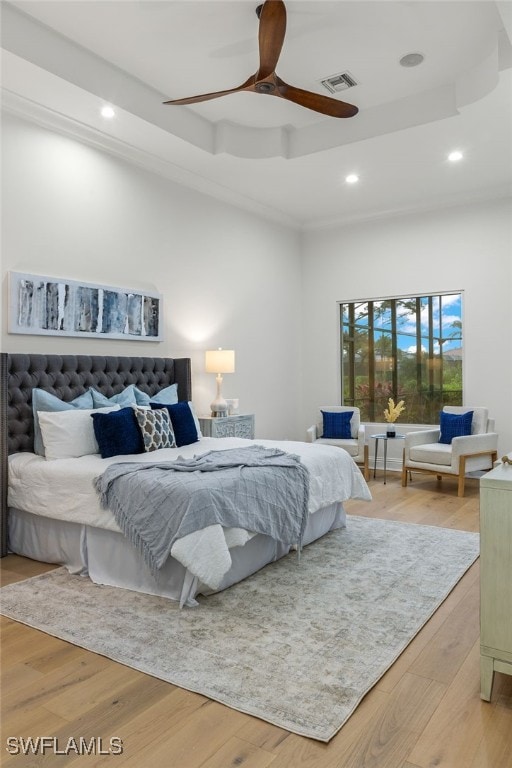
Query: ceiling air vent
pixel 337 83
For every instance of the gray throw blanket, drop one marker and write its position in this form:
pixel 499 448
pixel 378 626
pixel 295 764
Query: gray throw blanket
pixel 264 490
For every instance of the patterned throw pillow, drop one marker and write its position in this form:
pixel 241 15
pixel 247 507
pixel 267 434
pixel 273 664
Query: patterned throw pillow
pixel 156 429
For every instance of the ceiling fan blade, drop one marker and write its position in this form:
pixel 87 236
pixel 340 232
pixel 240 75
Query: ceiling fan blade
pixel 215 95
pixel 272 30
pixel 315 101
pixel 271 36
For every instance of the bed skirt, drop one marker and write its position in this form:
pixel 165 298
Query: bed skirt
pixel 107 557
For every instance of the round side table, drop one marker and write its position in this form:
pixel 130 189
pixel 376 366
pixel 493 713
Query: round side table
pixel 383 436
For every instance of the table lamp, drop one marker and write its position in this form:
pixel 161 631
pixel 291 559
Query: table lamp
pixel 219 361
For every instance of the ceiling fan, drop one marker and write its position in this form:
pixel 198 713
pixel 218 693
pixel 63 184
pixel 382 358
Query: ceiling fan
pixel 272 28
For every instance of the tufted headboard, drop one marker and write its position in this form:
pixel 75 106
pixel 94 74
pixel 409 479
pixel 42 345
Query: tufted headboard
pixel 66 377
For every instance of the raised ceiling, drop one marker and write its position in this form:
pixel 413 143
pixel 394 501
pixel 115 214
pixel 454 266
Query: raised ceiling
pixel 63 60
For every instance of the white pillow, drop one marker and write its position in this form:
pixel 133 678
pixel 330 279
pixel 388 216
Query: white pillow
pixel 69 434
pixel 196 421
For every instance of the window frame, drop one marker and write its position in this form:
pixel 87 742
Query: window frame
pixel 375 412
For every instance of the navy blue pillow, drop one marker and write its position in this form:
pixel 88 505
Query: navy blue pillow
pixel 454 425
pixel 337 425
pixel 117 433
pixel 182 420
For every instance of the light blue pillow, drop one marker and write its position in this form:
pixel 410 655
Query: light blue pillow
pixel 141 397
pixel 44 401
pixel 122 399
pixel 133 396
pixel 167 396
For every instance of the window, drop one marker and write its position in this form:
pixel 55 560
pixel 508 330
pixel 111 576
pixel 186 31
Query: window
pixel 407 348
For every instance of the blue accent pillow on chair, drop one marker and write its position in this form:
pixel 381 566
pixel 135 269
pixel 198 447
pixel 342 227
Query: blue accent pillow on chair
pixel 337 425
pixel 454 425
pixel 117 436
pixel 183 423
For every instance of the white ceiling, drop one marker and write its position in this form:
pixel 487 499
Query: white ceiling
pixel 63 59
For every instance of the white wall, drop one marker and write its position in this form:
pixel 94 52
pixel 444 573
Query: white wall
pixel 228 278
pixel 234 280
pixel 462 248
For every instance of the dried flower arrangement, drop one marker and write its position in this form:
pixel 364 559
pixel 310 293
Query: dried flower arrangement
pixel 392 412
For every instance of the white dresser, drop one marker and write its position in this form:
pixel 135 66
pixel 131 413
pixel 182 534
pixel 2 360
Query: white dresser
pixel 228 426
pixel 495 576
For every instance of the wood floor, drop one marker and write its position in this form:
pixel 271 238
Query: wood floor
pixel 426 710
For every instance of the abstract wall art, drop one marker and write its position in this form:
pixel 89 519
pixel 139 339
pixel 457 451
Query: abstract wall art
pixel 59 307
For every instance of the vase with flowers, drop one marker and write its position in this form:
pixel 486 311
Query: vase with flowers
pixel 391 414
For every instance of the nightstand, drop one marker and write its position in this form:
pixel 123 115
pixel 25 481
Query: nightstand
pixel 228 426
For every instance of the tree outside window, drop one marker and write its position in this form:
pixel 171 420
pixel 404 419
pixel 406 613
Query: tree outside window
pixel 407 348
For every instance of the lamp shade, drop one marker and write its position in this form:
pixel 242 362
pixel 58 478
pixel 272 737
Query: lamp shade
pixel 220 361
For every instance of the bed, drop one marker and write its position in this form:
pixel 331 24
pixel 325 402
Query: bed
pixel 51 511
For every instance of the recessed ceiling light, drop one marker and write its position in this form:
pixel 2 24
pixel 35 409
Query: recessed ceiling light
pixel 108 112
pixel 411 59
pixel 455 156
pixel 352 178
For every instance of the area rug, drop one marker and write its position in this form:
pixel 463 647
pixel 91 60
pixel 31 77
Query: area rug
pixel 298 644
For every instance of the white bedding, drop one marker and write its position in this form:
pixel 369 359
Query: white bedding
pixel 62 489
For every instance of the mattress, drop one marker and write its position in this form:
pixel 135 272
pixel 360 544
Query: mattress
pixel 63 490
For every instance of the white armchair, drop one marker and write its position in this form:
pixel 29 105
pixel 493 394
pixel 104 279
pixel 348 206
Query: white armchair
pixel 424 453
pixel 356 446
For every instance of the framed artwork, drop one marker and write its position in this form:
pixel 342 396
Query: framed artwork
pixel 53 306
